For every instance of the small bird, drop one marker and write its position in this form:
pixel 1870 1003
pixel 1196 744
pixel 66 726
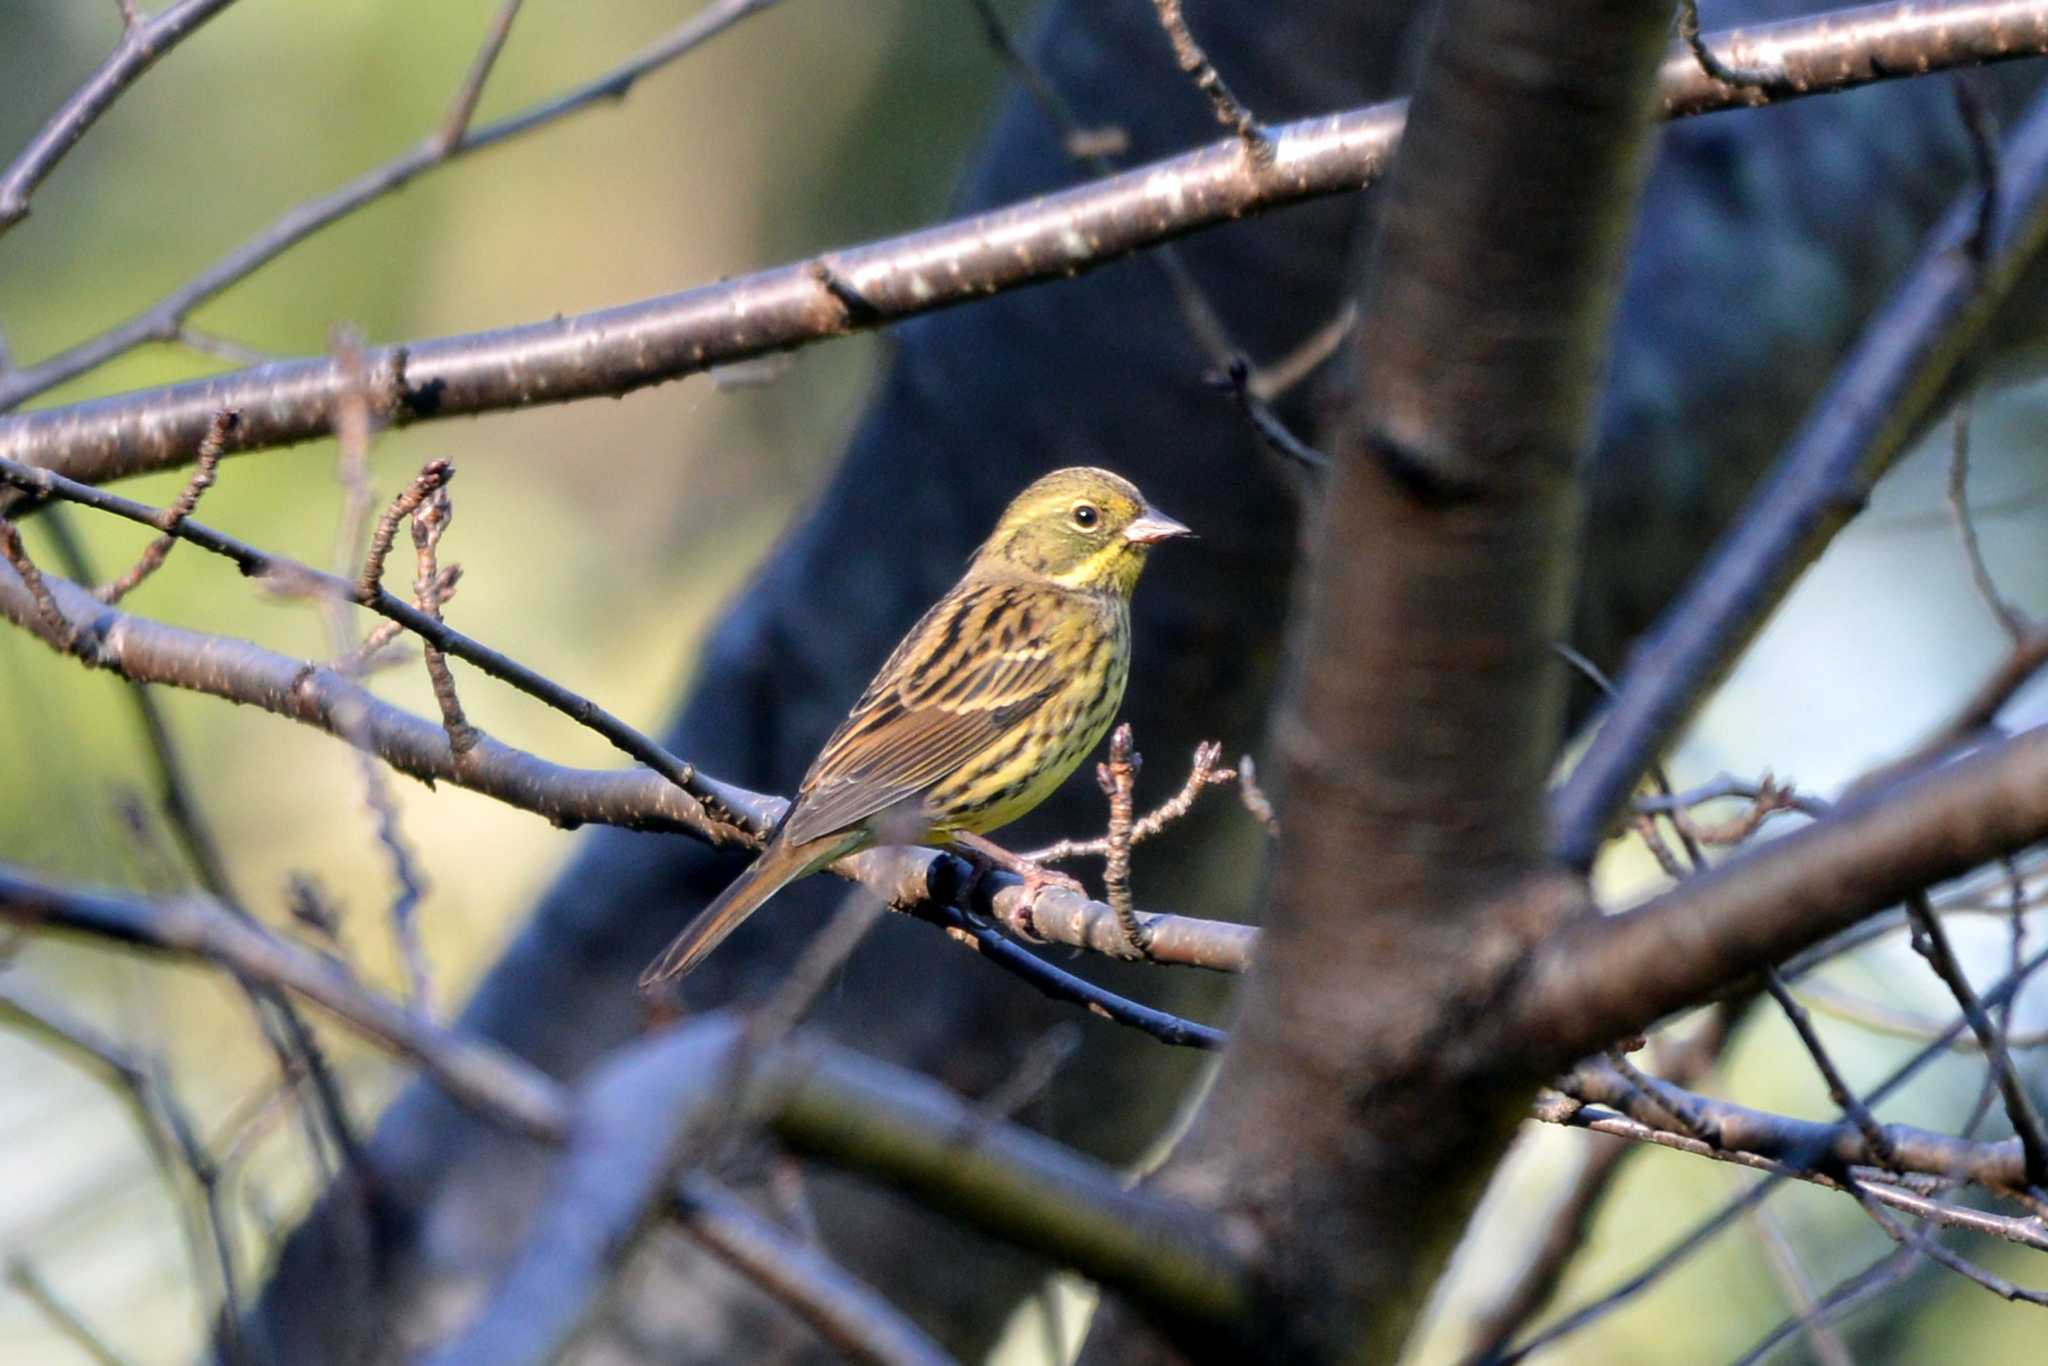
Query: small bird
pixel 990 701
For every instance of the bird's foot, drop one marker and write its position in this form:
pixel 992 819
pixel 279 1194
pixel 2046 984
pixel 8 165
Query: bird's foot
pixel 1036 877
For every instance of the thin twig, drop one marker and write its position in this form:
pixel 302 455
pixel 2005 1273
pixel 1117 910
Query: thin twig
pixel 1092 147
pixel 1766 791
pixel 1866 1284
pixel 46 605
pixel 1236 380
pixel 29 1282
pixel 428 524
pixel 1792 1275
pixel 849 1316
pixel 1117 777
pixel 1838 1090
pixel 163 320
pixel 1931 940
pixel 165 1127
pixel 1203 774
pixel 1275 378
pixel 1900 1024
pixel 1060 985
pixel 464 106
pixel 1255 799
pixel 1229 110
pixel 369 656
pixel 142 43
pixel 1760 79
pixel 2009 618
pixel 223 348
pixel 433 476
pixel 611 352
pixel 1908 352
pixel 284 572
pixel 353 423
pixel 157 551
pixel 1042 1061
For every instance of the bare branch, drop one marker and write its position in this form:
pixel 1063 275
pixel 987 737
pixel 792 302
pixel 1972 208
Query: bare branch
pixel 165 320
pixel 456 124
pixel 1875 1137
pixel 1229 110
pixel 142 43
pixel 1900 1024
pixel 1255 799
pixel 1971 719
pixel 1694 1238
pixel 433 476
pixel 428 524
pixel 166 1129
pixel 487 1080
pixel 1570 1223
pixel 816 1098
pixel 1237 381
pixel 1932 942
pixel 1060 985
pixel 1117 777
pixel 643 1106
pixel 851 1318
pixel 1877 398
pixel 2027 1232
pixel 157 551
pixel 290 575
pixel 62 634
pixel 314 695
pixel 29 1283
pixel 617 350
pixel 1767 903
pixel 1059 916
pixel 1203 774
pixel 297 1050
pixel 1761 79
pixel 2009 618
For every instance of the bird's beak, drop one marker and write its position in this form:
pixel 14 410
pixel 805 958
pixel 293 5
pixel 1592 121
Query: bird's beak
pixel 1152 527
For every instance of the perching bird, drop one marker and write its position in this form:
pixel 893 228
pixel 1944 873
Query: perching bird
pixel 994 697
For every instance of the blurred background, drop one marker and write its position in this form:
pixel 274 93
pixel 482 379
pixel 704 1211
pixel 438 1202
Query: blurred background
pixel 599 539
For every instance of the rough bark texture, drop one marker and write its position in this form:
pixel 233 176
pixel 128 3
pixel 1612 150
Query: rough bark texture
pixel 1354 1130
pixel 1766 238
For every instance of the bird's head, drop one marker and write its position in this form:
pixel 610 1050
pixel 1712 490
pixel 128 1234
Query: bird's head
pixel 1079 528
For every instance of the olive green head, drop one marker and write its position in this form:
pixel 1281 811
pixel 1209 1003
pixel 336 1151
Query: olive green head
pixel 1080 528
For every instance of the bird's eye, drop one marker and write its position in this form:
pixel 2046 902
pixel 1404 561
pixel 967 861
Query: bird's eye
pixel 1086 516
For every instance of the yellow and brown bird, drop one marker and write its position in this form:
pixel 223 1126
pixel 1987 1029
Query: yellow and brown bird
pixel 994 697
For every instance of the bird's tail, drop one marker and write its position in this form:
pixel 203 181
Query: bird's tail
pixel 779 865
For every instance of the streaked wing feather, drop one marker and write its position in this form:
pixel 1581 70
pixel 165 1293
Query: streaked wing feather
pixel 957 684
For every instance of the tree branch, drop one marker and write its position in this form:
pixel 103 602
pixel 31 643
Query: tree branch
pixel 140 46
pixel 164 320
pixel 641 1111
pixel 851 1318
pixel 614 351
pixel 1445 550
pixel 1877 400
pixel 1606 978
pixel 716 812
pixel 1808 1145
pixel 818 1099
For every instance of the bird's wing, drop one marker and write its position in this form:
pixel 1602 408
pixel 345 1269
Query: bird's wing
pixel 978 663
